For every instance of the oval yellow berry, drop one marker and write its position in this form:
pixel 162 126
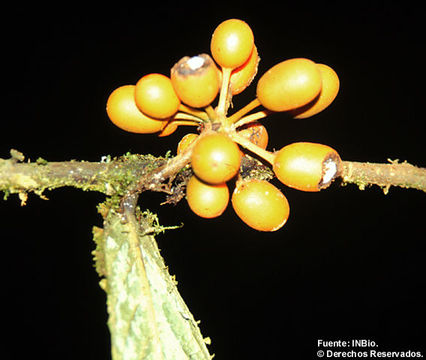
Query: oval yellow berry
pixel 329 90
pixel 215 158
pixel 242 76
pixel 196 80
pixel 155 96
pixel 260 205
pixel 289 85
pixel 307 166
pixel 123 112
pixel 206 200
pixel 169 128
pixel 187 140
pixel 232 43
pixel 256 133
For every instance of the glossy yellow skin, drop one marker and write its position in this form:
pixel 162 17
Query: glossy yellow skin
pixel 206 200
pixel 155 96
pixel 242 76
pixel 196 86
pixel 215 158
pixel 300 165
pixel 289 85
pixel 123 112
pixel 256 133
pixel 330 88
pixel 260 205
pixel 232 43
pixel 187 140
pixel 169 128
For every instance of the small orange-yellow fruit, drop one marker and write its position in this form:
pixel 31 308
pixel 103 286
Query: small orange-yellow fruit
pixel 155 96
pixel 289 85
pixel 123 112
pixel 260 205
pixel 196 80
pixel 169 128
pixel 187 140
pixel 330 88
pixel 206 200
pixel 256 133
pixel 242 76
pixel 232 43
pixel 307 166
pixel 215 158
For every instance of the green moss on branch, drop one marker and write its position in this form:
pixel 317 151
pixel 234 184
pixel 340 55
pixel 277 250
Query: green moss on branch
pixel 110 176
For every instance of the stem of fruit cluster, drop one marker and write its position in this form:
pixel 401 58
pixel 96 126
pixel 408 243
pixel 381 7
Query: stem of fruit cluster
pixel 178 120
pixel 195 112
pixel 224 90
pixel 210 112
pixel 240 113
pixel 247 144
pixel 186 119
pixel 252 117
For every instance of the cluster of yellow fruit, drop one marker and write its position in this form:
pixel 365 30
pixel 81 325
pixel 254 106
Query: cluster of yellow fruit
pixel 159 104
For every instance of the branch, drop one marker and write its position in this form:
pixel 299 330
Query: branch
pixel 111 177
pixel 384 175
pixel 146 172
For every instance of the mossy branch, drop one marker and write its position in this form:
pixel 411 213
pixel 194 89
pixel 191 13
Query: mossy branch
pixel 109 176
pixel 136 173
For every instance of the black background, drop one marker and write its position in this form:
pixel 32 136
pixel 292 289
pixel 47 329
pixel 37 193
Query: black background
pixel 349 264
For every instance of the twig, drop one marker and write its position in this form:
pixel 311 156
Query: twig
pixel 132 174
pixel 384 175
pixel 154 180
pixel 108 176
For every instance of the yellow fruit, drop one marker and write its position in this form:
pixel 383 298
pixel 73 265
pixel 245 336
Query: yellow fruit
pixel 307 166
pixel 187 140
pixel 196 80
pixel 232 43
pixel 155 96
pixel 330 88
pixel 289 85
pixel 215 158
pixel 123 112
pixel 260 205
pixel 256 133
pixel 206 200
pixel 242 76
